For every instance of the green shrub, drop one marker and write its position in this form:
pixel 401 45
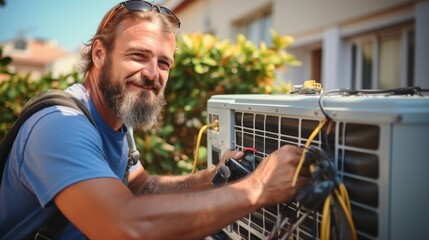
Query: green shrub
pixel 17 89
pixel 204 66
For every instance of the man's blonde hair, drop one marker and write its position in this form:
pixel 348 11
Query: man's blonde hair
pixel 108 35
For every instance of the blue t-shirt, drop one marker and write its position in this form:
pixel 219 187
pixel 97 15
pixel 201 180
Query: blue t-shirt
pixel 56 148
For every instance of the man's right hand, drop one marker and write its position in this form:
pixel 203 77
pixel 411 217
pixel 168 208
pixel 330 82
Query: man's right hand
pixel 275 173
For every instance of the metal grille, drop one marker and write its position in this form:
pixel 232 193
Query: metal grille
pixel 378 144
pixel 354 147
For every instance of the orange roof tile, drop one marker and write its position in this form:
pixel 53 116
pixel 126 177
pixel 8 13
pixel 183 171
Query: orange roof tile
pixel 40 52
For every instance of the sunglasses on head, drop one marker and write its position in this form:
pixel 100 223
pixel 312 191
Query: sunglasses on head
pixel 139 5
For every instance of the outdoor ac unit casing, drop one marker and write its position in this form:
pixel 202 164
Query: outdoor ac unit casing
pixel 379 143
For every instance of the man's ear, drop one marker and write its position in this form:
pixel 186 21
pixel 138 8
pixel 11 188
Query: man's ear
pixel 98 53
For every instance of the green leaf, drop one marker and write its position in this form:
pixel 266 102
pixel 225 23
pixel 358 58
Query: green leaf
pixel 209 61
pixel 200 69
pixel 5 61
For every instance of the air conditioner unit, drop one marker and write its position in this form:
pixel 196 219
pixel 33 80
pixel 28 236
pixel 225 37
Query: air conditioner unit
pixel 380 145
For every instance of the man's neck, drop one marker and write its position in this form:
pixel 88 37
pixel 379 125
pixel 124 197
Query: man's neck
pixel 100 104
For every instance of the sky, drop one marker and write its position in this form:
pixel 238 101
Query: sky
pixel 70 22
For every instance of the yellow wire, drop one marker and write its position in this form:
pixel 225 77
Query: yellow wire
pixel 326 221
pixel 197 147
pixel 307 144
pixel 345 196
pixel 341 195
pixel 348 214
pixel 215 124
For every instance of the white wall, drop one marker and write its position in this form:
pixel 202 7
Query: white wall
pixel 326 23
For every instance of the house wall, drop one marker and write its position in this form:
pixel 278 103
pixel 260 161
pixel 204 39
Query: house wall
pixel 216 16
pixel 322 24
pixel 421 70
pixel 297 18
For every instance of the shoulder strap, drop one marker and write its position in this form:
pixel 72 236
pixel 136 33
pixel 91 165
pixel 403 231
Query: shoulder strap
pixel 57 221
pixel 52 227
pixel 46 99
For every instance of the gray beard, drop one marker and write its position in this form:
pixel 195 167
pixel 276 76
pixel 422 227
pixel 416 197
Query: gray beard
pixel 139 113
pixel 134 111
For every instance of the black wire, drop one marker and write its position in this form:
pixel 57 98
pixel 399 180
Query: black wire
pixel 329 150
pixel 322 106
pixel 396 91
pixel 335 221
pixel 344 92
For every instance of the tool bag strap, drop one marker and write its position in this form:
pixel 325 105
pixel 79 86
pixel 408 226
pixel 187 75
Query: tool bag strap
pixel 46 99
pixel 56 223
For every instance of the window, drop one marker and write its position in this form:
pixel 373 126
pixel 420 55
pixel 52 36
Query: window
pixel 256 27
pixel 383 59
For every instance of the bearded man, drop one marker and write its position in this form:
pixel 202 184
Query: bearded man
pixel 59 160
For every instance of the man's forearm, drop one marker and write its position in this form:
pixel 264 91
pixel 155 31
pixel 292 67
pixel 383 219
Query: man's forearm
pixel 200 180
pixel 194 215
